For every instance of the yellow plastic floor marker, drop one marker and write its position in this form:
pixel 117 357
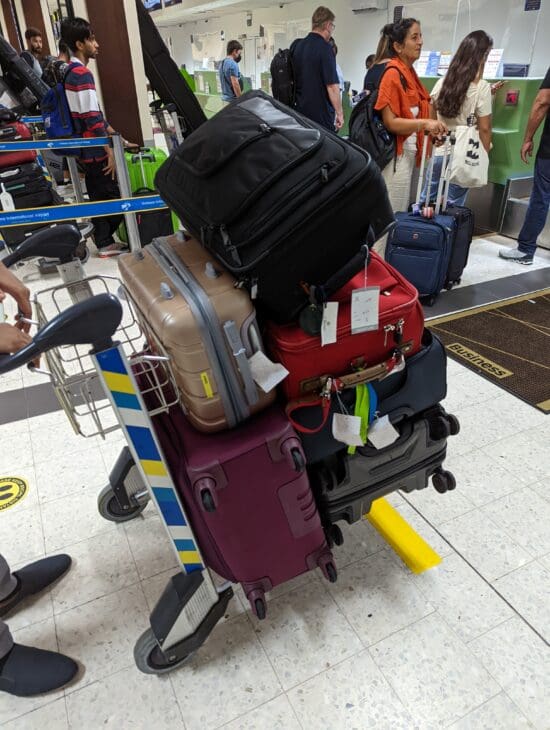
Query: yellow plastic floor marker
pixel 413 550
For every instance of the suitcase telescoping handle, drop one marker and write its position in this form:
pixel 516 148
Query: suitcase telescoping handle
pixel 239 353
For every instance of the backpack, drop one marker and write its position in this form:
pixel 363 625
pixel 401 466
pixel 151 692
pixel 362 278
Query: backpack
pixel 58 120
pixel 367 130
pixel 283 85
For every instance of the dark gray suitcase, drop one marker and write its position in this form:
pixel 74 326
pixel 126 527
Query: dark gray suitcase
pixel 346 486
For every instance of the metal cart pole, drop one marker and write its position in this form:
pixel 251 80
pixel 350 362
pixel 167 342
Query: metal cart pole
pixel 125 192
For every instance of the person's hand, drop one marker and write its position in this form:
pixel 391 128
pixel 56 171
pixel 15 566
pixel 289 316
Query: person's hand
pixel 130 145
pixel 339 121
pixel 526 150
pixel 496 86
pixel 10 284
pixel 110 167
pixel 12 339
pixel 435 127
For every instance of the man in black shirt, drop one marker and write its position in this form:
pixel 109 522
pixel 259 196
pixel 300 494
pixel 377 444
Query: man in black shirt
pixel 535 217
pixel 317 88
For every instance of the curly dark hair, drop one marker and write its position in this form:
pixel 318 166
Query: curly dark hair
pixel 463 69
pixel 394 33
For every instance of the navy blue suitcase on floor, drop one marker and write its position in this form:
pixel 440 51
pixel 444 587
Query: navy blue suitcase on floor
pixel 422 248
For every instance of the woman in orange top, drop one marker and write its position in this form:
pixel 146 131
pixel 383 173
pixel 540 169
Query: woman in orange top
pixel 406 109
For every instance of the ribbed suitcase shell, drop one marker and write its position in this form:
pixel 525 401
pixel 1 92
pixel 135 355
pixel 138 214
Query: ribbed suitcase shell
pixel 247 495
pixel 305 358
pixel 176 324
pixel 407 464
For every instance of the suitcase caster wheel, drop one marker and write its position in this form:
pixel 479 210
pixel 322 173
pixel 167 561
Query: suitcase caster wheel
pixel 260 609
pixel 208 501
pixel 332 574
pixel 443 481
pixel 454 425
pixel 150 660
pixel 430 301
pixel 298 460
pixel 335 534
pixel 110 509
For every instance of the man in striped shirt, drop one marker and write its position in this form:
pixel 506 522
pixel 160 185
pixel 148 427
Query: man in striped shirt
pixel 98 163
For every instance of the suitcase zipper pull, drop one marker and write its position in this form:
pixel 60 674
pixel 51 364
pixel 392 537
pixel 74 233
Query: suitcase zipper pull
pixel 399 332
pixel 265 128
pixel 324 174
pixel 229 247
pixel 254 288
pixel 387 329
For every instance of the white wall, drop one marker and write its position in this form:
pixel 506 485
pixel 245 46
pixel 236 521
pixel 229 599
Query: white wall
pixel 357 34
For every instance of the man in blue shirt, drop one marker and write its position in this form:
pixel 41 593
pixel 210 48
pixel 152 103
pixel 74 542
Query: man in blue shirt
pixel 230 76
pixel 317 87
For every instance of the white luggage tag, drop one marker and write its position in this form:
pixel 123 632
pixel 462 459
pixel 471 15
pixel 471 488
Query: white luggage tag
pixel 346 428
pixel 266 374
pixel 6 200
pixel 382 433
pixel 329 323
pixel 364 307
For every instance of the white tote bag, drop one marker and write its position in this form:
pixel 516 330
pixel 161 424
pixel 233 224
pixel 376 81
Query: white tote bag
pixel 470 161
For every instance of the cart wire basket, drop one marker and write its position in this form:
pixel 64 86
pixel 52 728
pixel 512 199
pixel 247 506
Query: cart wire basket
pixel 72 373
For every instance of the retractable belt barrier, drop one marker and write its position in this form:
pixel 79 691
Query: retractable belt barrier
pixel 127 205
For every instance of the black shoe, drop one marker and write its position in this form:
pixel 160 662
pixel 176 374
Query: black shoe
pixel 34 578
pixel 26 671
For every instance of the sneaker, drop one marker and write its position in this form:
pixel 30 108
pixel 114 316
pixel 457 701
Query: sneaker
pixel 113 249
pixel 516 255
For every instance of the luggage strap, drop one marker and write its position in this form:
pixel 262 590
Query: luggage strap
pixel 329 385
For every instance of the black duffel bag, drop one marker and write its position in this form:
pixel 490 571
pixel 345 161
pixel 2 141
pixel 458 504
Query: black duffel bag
pixel 278 199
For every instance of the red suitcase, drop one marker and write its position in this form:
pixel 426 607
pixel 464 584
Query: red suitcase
pixel 15 132
pixel 247 496
pixel 401 319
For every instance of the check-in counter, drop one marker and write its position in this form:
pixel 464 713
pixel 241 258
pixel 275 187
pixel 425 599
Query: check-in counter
pixel 208 90
pixel 496 206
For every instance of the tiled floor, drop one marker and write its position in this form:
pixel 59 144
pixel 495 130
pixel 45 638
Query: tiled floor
pixel 463 646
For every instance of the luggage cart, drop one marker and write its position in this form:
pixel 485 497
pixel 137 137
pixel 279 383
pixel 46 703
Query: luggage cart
pixel 104 380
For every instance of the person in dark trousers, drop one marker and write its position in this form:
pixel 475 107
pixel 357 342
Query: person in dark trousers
pixel 537 210
pixel 98 163
pixel 25 670
pixel 33 53
pixel 317 87
pixel 230 76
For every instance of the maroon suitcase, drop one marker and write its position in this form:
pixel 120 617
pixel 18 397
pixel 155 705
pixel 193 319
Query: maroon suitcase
pixel 15 132
pixel 247 496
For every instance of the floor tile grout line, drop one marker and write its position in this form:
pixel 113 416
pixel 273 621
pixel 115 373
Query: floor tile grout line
pixel 458 552
pixel 459 639
pixel 29 712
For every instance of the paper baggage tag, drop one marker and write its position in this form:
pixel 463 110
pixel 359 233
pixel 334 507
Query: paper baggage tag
pixel 382 433
pixel 266 374
pixel 347 429
pixel 329 323
pixel 6 201
pixel 364 309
